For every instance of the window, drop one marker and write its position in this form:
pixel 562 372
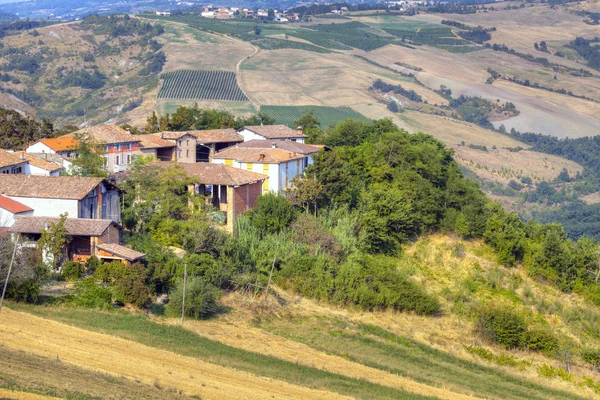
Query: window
pixel 117 160
pixel 129 146
pixel 187 142
pixel 118 147
pixel 128 159
pixel 187 153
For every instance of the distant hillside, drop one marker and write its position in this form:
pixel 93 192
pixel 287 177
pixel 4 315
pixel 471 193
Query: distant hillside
pixel 98 68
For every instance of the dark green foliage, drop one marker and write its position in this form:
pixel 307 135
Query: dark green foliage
pixel 84 79
pixel 505 233
pixel 478 110
pixel 503 326
pixel 591 53
pixel 90 295
pixel 397 89
pixel 477 35
pixel 72 270
pixel 154 64
pixel 17 131
pixel 273 213
pixel 200 298
pixel 27 290
pixel 392 106
pixel 591 356
pixel 120 26
pixel 541 340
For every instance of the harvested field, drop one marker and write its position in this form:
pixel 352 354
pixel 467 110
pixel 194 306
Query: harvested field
pixel 253 339
pixel 14 395
pixel 501 165
pixel 120 357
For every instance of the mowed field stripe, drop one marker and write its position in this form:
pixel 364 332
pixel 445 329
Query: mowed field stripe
pixel 116 356
pixel 14 395
pixel 257 340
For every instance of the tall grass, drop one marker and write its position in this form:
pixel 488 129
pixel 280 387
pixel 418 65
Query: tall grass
pixel 178 340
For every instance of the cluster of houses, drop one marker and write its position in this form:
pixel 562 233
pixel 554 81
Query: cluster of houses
pixel 234 12
pixel 230 168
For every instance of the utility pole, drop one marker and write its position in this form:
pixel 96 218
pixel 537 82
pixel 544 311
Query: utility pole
pixel 183 302
pixel 12 260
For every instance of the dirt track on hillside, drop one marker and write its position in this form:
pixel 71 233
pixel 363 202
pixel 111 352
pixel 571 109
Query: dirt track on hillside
pixel 120 357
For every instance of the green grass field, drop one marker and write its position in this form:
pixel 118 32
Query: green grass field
pixel 286 115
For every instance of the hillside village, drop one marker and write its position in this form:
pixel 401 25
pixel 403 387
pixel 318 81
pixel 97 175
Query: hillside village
pixel 230 168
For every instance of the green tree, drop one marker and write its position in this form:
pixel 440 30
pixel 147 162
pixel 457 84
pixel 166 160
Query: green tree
pixel 386 220
pixel 273 213
pixel 89 160
pixel 200 298
pixel 505 233
pixel 152 124
pixel 53 242
pixel 306 191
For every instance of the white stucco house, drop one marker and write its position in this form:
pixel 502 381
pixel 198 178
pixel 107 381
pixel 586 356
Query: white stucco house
pixel 11 163
pixel 271 132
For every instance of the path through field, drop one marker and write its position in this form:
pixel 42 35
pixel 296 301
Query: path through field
pixel 119 357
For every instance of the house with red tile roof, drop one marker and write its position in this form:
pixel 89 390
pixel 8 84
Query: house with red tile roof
pixel 200 145
pixel 10 208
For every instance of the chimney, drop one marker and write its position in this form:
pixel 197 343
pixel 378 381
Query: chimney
pixel 129 131
pixel 274 145
pixel 22 156
pixel 299 129
pixel 262 157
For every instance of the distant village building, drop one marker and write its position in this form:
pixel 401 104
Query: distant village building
pixel 163 13
pixel 64 146
pixel 38 166
pixel 270 132
pixel 157 147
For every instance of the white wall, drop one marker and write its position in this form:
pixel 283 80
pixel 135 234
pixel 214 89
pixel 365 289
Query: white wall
pixel 7 219
pixel 33 170
pixel 248 135
pixel 39 147
pixel 50 207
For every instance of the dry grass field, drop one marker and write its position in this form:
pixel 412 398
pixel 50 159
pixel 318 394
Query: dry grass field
pixel 501 165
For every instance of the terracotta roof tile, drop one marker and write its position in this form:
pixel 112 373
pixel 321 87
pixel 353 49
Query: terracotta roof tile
pixel 153 142
pixel 62 143
pixel 8 159
pixel 207 136
pixel 295 147
pixel 38 162
pixel 121 251
pixel 13 206
pixel 219 174
pixel 252 155
pixel 47 187
pixel 275 131
pixel 74 226
pixel 107 134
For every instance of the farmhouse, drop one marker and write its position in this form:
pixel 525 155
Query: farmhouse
pixel 51 196
pixel 233 191
pixel 270 132
pixel 200 146
pixel 88 237
pixel 9 209
pixel 307 150
pixel 64 146
pixel 11 163
pixel 281 166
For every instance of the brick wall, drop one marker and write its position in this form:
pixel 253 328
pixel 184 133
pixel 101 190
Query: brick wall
pixel 245 198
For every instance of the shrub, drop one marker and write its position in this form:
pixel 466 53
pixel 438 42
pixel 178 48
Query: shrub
pixel 88 294
pixel 540 340
pixel 72 270
pixel 591 356
pixel 503 326
pixel 200 298
pixel 131 289
pixel 273 213
pixel 27 290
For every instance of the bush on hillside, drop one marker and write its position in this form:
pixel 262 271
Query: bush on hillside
pixel 72 270
pixel 591 356
pixel 200 298
pixel 27 290
pixel 88 294
pixel 503 326
pixel 273 213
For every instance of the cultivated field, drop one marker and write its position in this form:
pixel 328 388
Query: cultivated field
pixel 286 115
pixel 201 85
